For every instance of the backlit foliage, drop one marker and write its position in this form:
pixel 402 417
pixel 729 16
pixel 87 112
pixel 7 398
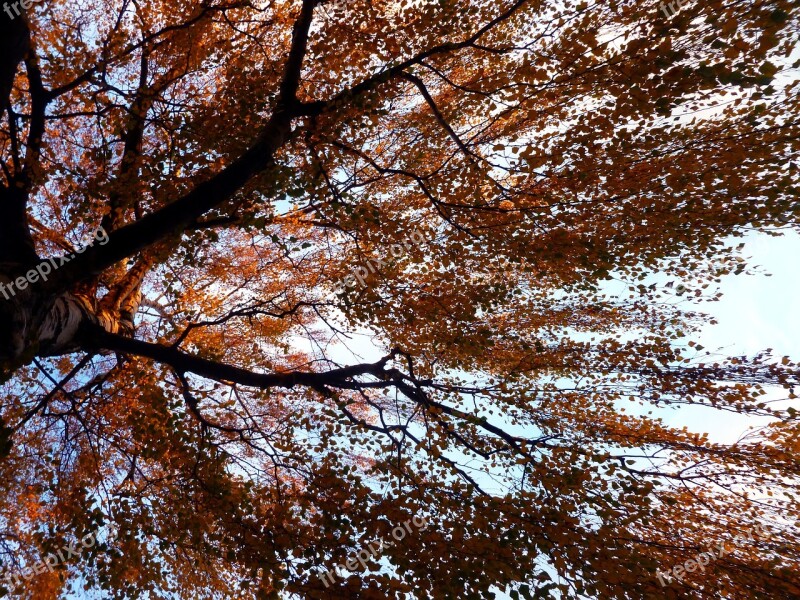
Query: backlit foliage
pixel 246 157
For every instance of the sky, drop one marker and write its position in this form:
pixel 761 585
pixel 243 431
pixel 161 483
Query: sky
pixel 756 312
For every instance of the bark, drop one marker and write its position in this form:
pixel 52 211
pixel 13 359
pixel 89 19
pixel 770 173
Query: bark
pixel 49 318
pixel 14 42
pixel 16 244
pixel 17 251
pixel 32 324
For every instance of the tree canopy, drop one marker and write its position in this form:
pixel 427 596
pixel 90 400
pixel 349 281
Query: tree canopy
pixel 250 196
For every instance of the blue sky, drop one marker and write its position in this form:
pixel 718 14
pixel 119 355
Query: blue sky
pixel 756 312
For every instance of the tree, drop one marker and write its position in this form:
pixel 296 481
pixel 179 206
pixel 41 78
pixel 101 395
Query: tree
pixel 239 188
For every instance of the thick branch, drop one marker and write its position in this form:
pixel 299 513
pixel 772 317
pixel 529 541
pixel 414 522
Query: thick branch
pixel 397 71
pixel 132 147
pixel 38 111
pixel 176 217
pixel 16 244
pixel 14 42
pixel 187 363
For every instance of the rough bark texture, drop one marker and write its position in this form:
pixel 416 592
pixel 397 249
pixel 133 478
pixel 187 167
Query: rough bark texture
pixel 50 317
